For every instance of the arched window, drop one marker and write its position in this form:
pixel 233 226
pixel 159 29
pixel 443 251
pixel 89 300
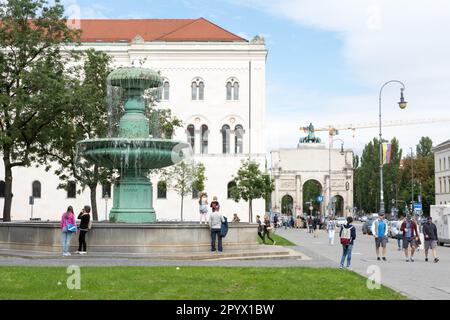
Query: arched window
pixel 195 192
pixel 232 89
pixel 162 190
pixel 2 189
pixel 106 191
pixel 205 133
pixel 230 186
pixel 198 89
pixel 165 90
pixel 191 135
pixel 194 90
pixel 71 189
pixel 236 91
pixel 36 189
pixel 225 139
pixel 229 90
pixel 238 139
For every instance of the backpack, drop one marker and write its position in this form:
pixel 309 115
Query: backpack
pixel 346 235
pixel 224 227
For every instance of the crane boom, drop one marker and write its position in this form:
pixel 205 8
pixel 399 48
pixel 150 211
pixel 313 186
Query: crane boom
pixel 334 130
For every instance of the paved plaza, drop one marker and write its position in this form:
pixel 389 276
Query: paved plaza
pixel 417 280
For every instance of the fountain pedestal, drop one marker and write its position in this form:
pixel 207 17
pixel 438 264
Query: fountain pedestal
pixel 133 200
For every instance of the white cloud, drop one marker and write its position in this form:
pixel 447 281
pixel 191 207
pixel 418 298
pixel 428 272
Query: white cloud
pixel 382 40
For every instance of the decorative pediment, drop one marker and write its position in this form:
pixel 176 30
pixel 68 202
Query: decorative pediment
pixel 138 39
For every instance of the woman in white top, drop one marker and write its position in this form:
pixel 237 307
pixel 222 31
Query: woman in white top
pixel 203 202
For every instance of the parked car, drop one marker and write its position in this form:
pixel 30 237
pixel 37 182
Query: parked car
pixel 340 221
pixel 364 218
pixel 393 228
pixel 367 226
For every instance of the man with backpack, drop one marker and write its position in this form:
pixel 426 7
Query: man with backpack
pixel 215 224
pixel 380 232
pixel 348 236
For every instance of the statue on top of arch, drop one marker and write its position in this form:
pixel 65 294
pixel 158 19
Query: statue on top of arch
pixel 310 138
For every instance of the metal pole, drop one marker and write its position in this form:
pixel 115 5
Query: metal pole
pixel 329 177
pixel 381 158
pixel 381 143
pixel 412 180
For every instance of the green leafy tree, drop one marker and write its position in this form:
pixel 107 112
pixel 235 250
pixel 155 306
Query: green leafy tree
pixel 87 119
pixel 185 177
pixel 311 190
pixel 251 184
pixel 33 84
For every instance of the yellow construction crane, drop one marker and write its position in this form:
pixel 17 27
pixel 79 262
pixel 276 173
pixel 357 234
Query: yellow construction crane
pixel 334 129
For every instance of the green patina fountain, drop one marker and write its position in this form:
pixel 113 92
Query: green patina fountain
pixel 133 152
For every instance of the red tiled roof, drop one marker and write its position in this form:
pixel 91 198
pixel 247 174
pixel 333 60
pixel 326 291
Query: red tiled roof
pixel 171 30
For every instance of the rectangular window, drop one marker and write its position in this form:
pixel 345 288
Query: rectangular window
pixel 440 165
pixel 106 191
pixel 440 185
pixel 71 190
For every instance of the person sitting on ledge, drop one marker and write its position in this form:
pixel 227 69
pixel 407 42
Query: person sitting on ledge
pixel 235 218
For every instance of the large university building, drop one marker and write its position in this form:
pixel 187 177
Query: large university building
pixel 214 81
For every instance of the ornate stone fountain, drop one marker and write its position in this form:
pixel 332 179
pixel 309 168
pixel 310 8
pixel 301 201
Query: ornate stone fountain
pixel 133 152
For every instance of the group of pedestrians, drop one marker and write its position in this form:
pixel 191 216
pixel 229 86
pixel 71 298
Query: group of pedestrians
pixel 264 228
pixel 408 237
pixel 69 228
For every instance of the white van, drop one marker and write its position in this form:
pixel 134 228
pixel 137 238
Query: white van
pixel 441 216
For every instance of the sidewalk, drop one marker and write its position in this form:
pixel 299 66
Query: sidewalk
pixel 417 280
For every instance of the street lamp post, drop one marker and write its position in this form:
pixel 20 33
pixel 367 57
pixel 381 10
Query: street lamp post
pixel 412 179
pixel 329 169
pixel 402 104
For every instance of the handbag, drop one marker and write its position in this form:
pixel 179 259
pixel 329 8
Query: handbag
pixel 71 228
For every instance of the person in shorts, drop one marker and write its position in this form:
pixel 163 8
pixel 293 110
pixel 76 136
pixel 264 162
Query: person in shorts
pixel 410 237
pixel 380 231
pixel 431 238
pixel 203 208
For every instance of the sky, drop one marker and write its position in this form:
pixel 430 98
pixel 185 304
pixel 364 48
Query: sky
pixel 329 58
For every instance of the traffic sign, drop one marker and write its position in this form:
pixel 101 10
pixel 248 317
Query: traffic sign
pixel 319 199
pixel 417 206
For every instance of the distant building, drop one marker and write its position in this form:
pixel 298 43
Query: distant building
pixel 442 172
pixel 213 80
pixel 310 161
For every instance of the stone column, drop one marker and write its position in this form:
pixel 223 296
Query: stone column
pixel 232 142
pixel 197 143
pixel 276 191
pixel 299 193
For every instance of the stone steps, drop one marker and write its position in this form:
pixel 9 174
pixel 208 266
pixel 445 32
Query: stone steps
pixel 263 252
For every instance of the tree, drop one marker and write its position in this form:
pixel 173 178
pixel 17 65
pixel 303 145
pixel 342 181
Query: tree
pixel 86 119
pixel 424 148
pixel 367 176
pixel 33 92
pixel 184 177
pixel 251 184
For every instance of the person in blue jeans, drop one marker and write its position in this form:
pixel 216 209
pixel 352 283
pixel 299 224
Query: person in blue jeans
pixel 350 234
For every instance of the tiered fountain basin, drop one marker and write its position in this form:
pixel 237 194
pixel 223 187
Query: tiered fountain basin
pixel 125 153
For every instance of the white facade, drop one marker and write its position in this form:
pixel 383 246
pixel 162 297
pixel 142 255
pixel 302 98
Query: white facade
pixel 180 63
pixel 292 168
pixel 442 172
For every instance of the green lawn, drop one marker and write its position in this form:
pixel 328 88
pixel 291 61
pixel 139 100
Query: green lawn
pixel 187 283
pixel 280 241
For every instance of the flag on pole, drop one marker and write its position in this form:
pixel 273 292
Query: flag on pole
pixel 386 153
